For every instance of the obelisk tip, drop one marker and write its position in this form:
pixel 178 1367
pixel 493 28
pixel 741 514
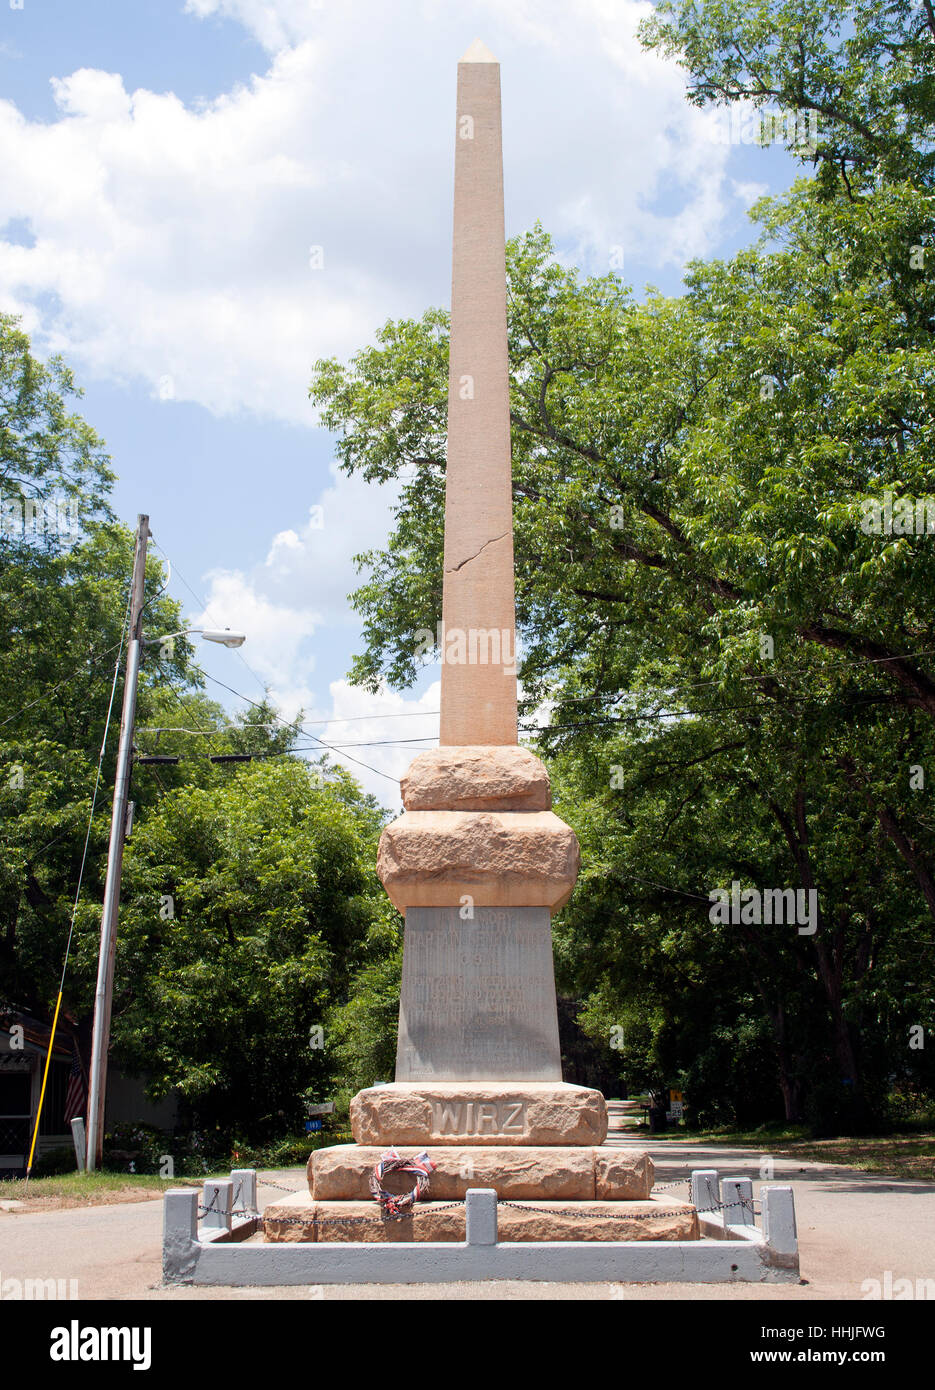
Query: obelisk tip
pixel 478 53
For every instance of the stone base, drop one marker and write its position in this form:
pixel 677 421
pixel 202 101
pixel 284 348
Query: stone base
pixel 499 858
pixel 472 778
pixel 477 998
pixel 300 1219
pixel 479 1112
pixel 545 1174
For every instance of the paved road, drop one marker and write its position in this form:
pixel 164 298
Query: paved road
pixel 852 1228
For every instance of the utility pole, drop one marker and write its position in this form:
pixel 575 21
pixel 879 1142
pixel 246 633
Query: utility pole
pixel 118 824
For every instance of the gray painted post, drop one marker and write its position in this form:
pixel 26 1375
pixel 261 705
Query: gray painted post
pixel 738 1202
pixel 706 1190
pixel 244 1198
pixel 79 1141
pixel 218 1199
pixel 179 1234
pixel 480 1221
pixel 779 1227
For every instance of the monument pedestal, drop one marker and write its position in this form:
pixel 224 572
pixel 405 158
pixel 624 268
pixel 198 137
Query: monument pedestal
pixel 540 1173
pixel 479 1112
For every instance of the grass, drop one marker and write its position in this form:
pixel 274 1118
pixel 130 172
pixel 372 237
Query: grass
pixel 101 1188
pixel 891 1155
pixel 894 1156
pixel 762 1134
pixel 87 1189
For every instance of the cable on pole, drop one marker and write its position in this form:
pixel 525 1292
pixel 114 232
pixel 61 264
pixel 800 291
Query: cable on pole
pixel 74 910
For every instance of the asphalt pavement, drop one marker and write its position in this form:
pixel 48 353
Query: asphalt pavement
pixel 858 1236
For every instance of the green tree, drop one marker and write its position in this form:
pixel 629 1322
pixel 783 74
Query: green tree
pixel 250 908
pixel 251 913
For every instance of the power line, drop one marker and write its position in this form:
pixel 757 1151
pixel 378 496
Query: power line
pixel 316 723
pixel 97 783
pixel 308 733
pixel 356 718
pixel 204 607
pixel 646 715
pixel 179 699
pixel 78 670
pixel 74 910
pixel 635 878
pixel 570 699
pixel 262 685
pixel 766 675
pixel 642 716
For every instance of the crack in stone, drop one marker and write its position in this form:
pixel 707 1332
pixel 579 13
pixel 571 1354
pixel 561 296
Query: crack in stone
pixel 454 569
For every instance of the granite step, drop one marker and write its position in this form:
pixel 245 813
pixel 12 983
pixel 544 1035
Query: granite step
pixel 479 1112
pixel 300 1218
pixel 547 1173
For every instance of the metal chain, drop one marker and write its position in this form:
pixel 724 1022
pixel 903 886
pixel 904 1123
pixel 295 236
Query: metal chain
pixel 315 1220
pixel 600 1215
pixel 747 1203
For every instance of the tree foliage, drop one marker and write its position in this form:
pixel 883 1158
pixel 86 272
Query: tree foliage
pixel 249 906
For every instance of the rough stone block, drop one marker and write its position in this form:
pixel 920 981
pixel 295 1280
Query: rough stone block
pixel 500 778
pixel 503 1112
pixel 342 1173
pixel 498 858
pixel 622 1175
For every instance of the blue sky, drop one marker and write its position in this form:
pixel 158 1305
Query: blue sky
pixel 165 170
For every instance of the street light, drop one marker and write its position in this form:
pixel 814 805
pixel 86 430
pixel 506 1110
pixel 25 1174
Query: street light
pixel 118 830
pixel 210 634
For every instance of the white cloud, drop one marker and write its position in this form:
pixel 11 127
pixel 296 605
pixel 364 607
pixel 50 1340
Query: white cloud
pixel 293 606
pixel 315 562
pixel 172 246
pixel 385 730
pixel 749 191
pixel 173 242
pixel 276 631
pixel 275 23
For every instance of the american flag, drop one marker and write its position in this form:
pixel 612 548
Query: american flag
pixel 74 1096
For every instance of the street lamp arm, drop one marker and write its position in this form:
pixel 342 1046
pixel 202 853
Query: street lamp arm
pixel 224 635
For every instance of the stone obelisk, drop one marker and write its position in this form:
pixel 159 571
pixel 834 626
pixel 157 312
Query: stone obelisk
pixel 478 861
pixel 478 704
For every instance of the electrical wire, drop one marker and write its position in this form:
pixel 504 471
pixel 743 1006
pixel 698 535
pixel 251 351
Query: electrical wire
pixel 65 681
pixel 308 733
pixel 180 701
pixel 74 910
pixel 204 608
pixel 766 675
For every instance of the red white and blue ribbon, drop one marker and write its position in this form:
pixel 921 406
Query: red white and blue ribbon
pixel 397 1204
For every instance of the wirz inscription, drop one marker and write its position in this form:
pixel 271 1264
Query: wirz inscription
pixel 479 1117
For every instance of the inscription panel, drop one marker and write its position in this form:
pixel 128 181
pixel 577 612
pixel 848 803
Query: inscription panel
pixel 478 998
pixel 473 1117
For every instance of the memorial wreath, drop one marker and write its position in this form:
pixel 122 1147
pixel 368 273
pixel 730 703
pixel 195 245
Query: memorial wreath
pixel 397 1204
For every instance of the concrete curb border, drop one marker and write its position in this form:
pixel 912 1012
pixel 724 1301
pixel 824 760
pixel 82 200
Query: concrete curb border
pixel 730 1251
